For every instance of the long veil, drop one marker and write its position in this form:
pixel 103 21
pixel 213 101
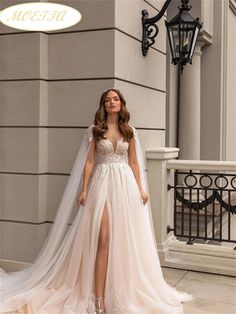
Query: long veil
pixel 144 183
pixel 60 237
pixel 57 243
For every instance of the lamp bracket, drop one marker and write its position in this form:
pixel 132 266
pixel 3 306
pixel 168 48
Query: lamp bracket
pixel 150 29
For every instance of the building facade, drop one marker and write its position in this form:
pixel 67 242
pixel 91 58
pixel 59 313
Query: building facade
pixel 50 84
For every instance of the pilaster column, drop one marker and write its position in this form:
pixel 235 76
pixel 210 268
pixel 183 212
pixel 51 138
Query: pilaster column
pixel 189 108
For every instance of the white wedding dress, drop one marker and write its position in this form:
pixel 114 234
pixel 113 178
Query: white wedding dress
pixel 61 280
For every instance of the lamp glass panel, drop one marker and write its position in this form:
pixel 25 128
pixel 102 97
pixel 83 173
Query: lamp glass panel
pixel 196 31
pixel 174 40
pixel 186 34
pixel 170 35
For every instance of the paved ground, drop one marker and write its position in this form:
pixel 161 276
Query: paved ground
pixel 214 294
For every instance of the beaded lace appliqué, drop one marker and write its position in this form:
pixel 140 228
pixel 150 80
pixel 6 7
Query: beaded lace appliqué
pixel 106 153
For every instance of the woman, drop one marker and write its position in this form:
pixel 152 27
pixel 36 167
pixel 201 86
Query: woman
pixel 110 124
pixel 107 261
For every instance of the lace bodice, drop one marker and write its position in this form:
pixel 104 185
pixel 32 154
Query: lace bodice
pixel 107 153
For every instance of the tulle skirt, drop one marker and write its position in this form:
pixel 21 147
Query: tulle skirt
pixel 134 281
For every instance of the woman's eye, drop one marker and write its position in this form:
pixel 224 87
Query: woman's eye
pixel 115 99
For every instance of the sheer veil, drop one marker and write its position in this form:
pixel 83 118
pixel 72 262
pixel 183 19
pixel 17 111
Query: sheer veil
pixel 60 236
pixel 144 182
pixel 57 243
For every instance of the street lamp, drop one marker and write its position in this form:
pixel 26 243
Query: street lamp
pixel 182 32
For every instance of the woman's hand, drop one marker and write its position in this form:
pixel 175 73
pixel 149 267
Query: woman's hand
pixel 144 196
pixel 82 198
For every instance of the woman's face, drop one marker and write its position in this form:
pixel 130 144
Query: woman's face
pixel 112 102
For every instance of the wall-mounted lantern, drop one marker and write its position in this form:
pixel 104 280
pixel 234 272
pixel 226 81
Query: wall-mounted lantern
pixel 182 31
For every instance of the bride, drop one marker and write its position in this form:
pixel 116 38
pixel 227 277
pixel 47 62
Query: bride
pixel 106 261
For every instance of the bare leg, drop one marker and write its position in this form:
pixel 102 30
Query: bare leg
pixel 102 257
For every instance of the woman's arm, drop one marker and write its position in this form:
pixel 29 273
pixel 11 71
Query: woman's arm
pixel 135 168
pixel 88 168
pixel 133 162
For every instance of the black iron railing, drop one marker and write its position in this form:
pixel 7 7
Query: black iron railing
pixel 204 206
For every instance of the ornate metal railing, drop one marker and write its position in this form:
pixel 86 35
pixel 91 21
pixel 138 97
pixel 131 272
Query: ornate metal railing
pixel 204 201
